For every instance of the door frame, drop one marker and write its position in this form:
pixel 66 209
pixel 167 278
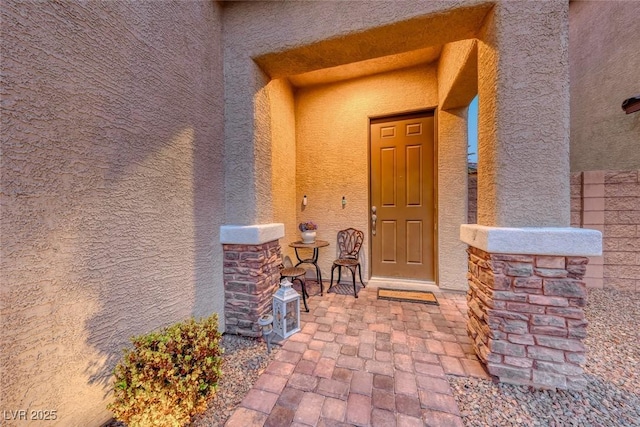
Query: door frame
pixel 408 114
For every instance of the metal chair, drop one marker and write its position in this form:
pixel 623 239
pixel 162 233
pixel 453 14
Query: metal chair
pixel 293 274
pixel 349 243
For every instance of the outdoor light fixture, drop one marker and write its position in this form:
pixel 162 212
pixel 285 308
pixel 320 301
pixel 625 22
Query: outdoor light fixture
pixel 344 201
pixel 266 323
pixel 304 200
pixel 631 105
pixel 286 310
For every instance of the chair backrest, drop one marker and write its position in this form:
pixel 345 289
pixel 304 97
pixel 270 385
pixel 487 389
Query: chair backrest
pixel 286 262
pixel 349 243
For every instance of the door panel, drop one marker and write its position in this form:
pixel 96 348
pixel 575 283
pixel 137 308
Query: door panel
pixel 414 176
pixel 388 173
pixel 402 189
pixel 389 241
pixel 414 242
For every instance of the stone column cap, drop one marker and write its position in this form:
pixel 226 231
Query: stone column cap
pixel 256 234
pixel 555 241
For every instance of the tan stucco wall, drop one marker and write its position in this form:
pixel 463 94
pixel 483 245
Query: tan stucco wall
pixel 458 74
pixel 523 73
pixel 112 192
pixel 283 139
pixel 523 126
pixel 287 38
pixel 332 130
pixel 523 89
pixel 452 197
pixel 604 53
pixel 112 163
pixel 457 86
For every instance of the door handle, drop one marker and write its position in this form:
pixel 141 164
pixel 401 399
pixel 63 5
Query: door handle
pixel 374 217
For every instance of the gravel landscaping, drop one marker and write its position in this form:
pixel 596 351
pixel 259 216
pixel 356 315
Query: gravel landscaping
pixel 244 360
pixel 611 398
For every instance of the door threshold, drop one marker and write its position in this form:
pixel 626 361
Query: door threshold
pixel 395 283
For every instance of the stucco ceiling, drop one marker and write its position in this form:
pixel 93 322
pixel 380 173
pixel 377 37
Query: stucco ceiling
pixel 367 67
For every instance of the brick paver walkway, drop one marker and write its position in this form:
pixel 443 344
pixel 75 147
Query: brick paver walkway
pixel 366 362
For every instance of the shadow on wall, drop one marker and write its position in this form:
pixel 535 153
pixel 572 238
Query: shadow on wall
pixel 155 257
pixel 141 245
pixel 161 223
pixel 154 247
pixel 111 220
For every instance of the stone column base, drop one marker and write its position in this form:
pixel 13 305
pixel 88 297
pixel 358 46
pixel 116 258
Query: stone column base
pixel 251 276
pixel 251 268
pixel 526 317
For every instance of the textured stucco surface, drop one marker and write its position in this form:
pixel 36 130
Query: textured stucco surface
pixel 367 67
pixel 457 85
pixel 283 159
pixel 458 74
pixel 389 28
pixel 112 192
pixel 118 169
pixel 452 203
pixel 523 88
pixel 332 129
pixel 287 38
pixel 604 54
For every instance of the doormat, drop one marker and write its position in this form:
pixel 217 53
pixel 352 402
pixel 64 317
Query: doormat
pixel 424 297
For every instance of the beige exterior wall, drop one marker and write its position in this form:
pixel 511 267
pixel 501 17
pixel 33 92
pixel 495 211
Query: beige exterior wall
pixel 523 126
pixel 332 130
pixel 522 86
pixel 604 53
pixel 286 205
pixel 266 40
pixel 458 74
pixel 112 191
pixel 457 86
pixel 121 159
pixel 452 200
pixel 284 39
pixel 604 50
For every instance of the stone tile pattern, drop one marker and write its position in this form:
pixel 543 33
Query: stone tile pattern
pixel 366 362
pixel 251 276
pixel 609 201
pixel 526 317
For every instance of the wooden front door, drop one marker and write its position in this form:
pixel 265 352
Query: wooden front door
pixel 402 189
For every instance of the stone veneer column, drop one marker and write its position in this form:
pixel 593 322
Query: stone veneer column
pixel 251 274
pixel 526 299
